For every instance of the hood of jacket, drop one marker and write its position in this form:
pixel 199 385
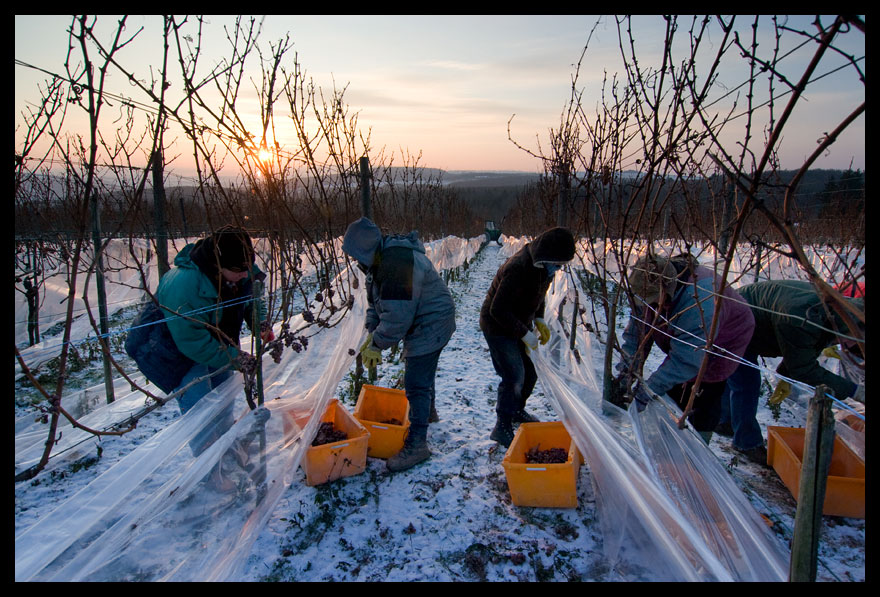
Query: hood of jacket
pixel 362 241
pixel 553 246
pixel 409 241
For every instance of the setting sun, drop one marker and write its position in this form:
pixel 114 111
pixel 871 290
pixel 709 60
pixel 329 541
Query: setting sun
pixel 264 155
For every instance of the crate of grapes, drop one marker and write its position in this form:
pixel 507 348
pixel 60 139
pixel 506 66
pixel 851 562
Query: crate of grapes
pixel 385 414
pixel 339 448
pixel 845 484
pixel 542 465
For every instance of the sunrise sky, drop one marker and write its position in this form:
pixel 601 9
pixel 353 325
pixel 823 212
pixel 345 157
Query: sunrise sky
pixel 447 85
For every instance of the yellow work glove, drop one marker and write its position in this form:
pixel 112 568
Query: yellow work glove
pixel 783 389
pixel 831 352
pixel 543 331
pixel 370 354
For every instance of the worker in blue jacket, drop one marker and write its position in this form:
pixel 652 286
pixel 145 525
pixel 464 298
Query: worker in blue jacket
pixel 408 301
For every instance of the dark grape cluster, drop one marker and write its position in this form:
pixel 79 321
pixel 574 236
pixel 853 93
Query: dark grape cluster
pixel 247 364
pixel 286 339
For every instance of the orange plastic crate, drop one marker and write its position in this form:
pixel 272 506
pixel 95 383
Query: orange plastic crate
pixel 542 485
pixel 845 488
pixel 335 460
pixel 375 407
pixel 293 421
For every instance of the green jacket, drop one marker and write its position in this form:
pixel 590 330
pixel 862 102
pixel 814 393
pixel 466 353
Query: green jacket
pixel 785 311
pixel 186 290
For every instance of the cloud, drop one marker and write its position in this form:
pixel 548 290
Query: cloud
pixel 454 65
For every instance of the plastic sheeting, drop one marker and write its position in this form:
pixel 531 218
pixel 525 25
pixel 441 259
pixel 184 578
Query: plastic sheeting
pixel 451 251
pixel 160 514
pixel 799 399
pixel 163 514
pixel 89 407
pixel 834 267
pixel 668 508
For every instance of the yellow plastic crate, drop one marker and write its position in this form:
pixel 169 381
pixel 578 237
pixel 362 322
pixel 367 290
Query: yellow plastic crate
pixel 345 458
pixel 377 406
pixel 845 488
pixel 542 485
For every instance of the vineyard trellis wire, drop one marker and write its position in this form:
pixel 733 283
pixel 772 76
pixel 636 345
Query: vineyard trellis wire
pixel 296 197
pixel 664 128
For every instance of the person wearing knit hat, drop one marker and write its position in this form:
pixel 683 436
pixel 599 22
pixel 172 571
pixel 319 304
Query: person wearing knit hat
pixel 214 287
pixel 673 305
pixel 511 314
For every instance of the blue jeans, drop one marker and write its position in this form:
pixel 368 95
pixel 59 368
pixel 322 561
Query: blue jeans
pixel 418 383
pixel 517 372
pixel 739 405
pixel 222 422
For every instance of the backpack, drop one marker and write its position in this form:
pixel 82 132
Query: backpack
pixel 150 345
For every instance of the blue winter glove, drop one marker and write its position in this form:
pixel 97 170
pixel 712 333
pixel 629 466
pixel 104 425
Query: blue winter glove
pixel 641 396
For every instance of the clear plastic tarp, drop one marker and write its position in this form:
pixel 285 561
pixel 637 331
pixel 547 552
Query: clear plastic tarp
pixel 163 513
pixel 668 508
pixel 832 265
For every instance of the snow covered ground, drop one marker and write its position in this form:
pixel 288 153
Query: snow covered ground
pixel 450 518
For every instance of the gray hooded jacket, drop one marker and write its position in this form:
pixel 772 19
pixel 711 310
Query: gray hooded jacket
pixel 408 300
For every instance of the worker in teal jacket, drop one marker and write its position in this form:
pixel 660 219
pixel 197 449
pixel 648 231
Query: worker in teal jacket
pixel 211 290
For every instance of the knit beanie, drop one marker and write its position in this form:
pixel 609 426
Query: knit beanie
pixel 234 248
pixel 553 246
pixel 651 276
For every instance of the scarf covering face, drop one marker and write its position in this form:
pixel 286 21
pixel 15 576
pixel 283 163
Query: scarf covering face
pixel 228 248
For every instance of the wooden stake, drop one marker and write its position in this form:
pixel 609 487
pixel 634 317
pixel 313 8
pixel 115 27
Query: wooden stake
pixel 818 447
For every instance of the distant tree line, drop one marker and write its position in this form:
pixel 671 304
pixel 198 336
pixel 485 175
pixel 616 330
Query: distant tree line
pixel 830 209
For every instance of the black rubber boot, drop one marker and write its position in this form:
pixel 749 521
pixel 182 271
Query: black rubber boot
pixel 503 432
pixel 433 417
pixel 757 455
pixel 521 416
pixel 415 450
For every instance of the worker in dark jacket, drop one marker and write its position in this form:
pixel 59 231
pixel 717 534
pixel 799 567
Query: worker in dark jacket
pixel 674 304
pixel 407 300
pixel 512 313
pixel 792 323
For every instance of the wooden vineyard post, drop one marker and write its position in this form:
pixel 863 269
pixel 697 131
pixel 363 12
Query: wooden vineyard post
pixel 103 323
pixel 366 203
pixel 367 212
pixel 818 446
pixel 159 214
